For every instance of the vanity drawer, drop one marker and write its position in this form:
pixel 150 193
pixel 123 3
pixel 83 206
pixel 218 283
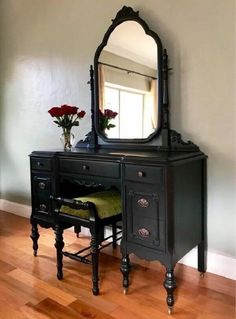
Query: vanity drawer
pixel 43 205
pixel 43 164
pixel 146 174
pixel 95 168
pixel 42 184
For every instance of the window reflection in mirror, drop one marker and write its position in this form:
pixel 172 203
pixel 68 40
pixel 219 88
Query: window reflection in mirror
pixel 128 82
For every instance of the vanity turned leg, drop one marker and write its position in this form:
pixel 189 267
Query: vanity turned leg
pixel 170 286
pixel 35 236
pixel 202 258
pixel 95 257
pixel 59 244
pixel 125 269
pixel 202 246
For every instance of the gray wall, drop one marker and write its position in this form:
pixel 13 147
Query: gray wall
pixel 46 50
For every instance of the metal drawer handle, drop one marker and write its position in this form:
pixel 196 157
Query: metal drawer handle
pixel 143 232
pixel 39 164
pixel 43 207
pixel 42 185
pixel 141 174
pixel 142 202
pixel 85 167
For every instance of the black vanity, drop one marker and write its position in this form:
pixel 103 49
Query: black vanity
pixel 162 179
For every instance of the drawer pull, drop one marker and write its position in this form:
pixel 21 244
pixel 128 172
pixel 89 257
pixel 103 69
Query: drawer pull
pixel 39 164
pixel 85 167
pixel 43 207
pixel 42 185
pixel 142 202
pixel 143 232
pixel 141 174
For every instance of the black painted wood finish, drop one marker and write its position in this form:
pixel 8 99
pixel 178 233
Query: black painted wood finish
pixel 163 198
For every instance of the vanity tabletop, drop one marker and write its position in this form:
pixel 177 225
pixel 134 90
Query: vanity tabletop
pixel 125 156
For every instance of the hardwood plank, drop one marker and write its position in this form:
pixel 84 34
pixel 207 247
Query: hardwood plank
pixel 55 310
pixel 30 312
pixel 8 312
pixel 88 311
pixel 19 290
pixel 56 294
pixel 5 267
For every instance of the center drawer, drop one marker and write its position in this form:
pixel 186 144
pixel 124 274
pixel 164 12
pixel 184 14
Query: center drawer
pixel 95 168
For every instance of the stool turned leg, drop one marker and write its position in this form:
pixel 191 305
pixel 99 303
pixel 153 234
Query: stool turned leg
pixel 77 230
pixel 59 244
pixel 125 269
pixel 170 286
pixel 114 236
pixel 95 257
pixel 35 236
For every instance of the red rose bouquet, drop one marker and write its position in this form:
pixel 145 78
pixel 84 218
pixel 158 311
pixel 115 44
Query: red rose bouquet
pixel 105 119
pixel 66 117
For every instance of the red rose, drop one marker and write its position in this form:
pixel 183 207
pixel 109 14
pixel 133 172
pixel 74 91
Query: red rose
pixel 110 114
pixel 66 115
pixel 73 109
pixel 81 114
pixel 55 111
pixel 114 114
pixel 68 110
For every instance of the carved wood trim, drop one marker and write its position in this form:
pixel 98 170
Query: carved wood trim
pixel 176 141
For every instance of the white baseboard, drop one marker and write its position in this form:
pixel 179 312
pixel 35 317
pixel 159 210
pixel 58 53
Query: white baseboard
pixel 15 208
pixel 216 263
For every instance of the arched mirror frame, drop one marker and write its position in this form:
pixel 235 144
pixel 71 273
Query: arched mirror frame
pixel 127 14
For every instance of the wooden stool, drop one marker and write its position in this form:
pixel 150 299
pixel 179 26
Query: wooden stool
pixel 94 211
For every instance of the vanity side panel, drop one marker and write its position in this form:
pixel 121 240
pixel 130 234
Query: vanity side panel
pixel 187 206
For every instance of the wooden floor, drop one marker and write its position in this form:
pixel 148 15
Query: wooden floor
pixel 29 288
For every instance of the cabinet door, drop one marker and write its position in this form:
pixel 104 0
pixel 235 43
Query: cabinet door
pixel 144 217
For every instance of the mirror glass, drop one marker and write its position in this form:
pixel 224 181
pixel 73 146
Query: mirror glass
pixel 127 83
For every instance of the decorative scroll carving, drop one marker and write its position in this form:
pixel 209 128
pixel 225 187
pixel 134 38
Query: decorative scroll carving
pixel 124 12
pixel 88 183
pixel 176 141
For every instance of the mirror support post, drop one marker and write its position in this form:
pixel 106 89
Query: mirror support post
pixel 93 135
pixel 91 138
pixel 165 103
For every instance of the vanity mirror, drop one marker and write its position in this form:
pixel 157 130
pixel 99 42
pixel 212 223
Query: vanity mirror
pixel 128 81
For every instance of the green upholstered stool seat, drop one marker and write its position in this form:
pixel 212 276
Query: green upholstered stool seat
pixel 108 203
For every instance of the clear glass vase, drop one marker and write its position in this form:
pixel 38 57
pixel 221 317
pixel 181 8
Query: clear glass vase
pixel 67 139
